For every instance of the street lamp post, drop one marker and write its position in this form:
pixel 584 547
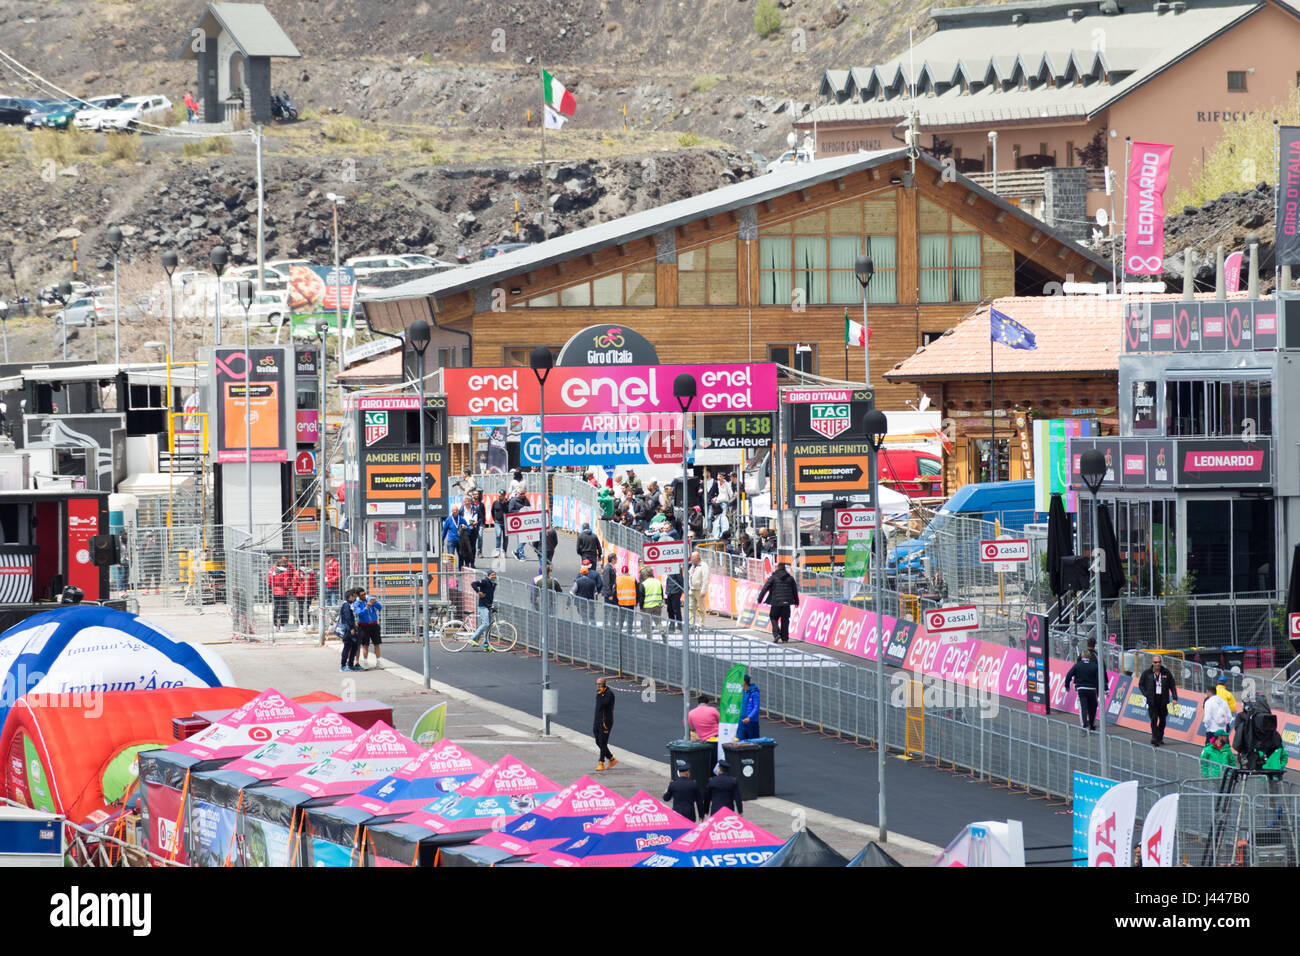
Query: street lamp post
pixel 877 427
pixel 993 160
pixel 864 269
pixel 219 258
pixel 4 324
pixel 322 468
pixel 541 361
pixel 114 239
pixel 335 201
pixel 246 300
pixel 1092 468
pixel 64 295
pixel 169 263
pixel 684 390
pixel 417 337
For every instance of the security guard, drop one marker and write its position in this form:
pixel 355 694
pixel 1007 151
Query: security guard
pixel 628 594
pixel 652 603
pixel 684 793
pixel 724 790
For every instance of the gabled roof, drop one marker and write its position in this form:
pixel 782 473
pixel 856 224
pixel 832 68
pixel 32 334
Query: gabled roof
pixel 250 25
pixel 718 201
pixel 1044 37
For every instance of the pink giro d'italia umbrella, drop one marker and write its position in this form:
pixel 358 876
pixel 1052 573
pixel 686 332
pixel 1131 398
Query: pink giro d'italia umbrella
pixel 566 815
pixel 724 839
pixel 264 718
pixel 323 735
pixel 632 833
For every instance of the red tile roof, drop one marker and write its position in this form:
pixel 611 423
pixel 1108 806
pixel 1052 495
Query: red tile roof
pixel 1074 334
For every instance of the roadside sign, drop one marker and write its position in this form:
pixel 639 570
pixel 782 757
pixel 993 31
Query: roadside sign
pixel 663 552
pixel 1295 627
pixel 855 519
pixel 1004 553
pixel 523 522
pixel 305 463
pixel 948 619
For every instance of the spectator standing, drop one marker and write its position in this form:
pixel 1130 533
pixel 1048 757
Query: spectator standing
pixel 473 514
pixel 280 580
pixel 629 593
pixel 1221 690
pixel 367 611
pixel 346 628
pixel 333 576
pixel 673 598
pixel 588 547
pixel 585 588
pixel 486 589
pixel 499 519
pixel 604 725
pixel 699 583
pixel 1157 686
pixel 703 719
pixel 451 532
pixel 684 793
pixel 1218 717
pixel 609 587
pixel 304 589
pixel 651 599
pixel 1084 676
pixel 779 592
pixel 191 107
pixel 749 706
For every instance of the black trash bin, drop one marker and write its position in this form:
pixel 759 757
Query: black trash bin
pixel 700 756
pixel 1234 659
pixel 746 758
pixel 765 768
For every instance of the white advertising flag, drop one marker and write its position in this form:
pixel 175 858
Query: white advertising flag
pixel 1110 829
pixel 1158 832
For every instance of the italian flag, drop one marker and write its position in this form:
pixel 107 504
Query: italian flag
pixel 854 333
pixel 558 100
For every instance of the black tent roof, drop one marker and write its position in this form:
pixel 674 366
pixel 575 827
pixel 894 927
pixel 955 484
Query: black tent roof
pixel 873 855
pixel 805 848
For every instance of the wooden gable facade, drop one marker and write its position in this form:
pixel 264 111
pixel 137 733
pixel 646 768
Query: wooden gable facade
pixel 771 281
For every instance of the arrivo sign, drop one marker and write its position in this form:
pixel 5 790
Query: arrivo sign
pixel 663 552
pixel 1005 549
pixel 604 391
pixel 965 618
pixel 523 522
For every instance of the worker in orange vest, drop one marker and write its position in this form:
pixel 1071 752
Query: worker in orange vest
pixel 304 586
pixel 628 593
pixel 280 579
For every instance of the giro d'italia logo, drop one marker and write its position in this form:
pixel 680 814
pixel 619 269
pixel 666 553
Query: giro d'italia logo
pixel 830 419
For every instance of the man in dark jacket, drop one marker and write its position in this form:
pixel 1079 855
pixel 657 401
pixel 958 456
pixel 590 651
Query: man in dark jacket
pixel 588 546
pixel 499 519
pixel 779 592
pixel 685 793
pixel 585 589
pixel 608 587
pixel 1157 686
pixel 518 502
pixel 348 623
pixel 1084 675
pixel 552 542
pixel 486 588
pixel 724 790
pixel 604 723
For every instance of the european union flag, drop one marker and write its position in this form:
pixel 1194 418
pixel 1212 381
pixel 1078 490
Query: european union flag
pixel 1009 332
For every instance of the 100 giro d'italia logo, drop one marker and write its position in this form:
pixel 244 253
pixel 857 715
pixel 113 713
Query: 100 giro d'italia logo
pixel 830 419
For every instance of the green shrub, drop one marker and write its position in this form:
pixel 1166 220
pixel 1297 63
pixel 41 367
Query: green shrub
pixel 703 84
pixel 123 147
pixel 767 18
pixel 687 140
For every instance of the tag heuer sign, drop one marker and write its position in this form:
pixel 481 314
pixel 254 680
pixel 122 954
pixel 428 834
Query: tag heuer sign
pixel 830 419
pixel 376 427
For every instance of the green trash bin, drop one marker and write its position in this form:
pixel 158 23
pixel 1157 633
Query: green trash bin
pixel 700 756
pixel 743 757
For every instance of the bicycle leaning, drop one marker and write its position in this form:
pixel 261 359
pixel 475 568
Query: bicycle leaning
pixel 456 635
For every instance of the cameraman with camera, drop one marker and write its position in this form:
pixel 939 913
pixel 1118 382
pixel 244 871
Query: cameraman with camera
pixel 1255 737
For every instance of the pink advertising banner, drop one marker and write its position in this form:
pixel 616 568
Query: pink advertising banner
pixel 644 389
pixel 1144 209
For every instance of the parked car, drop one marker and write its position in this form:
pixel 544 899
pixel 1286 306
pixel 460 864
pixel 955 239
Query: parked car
pixel 364 265
pixel 127 116
pixel 61 115
pixel 283 266
pixel 268 308
pixel 47 294
pixel 792 157
pixel 501 248
pixel 86 310
pixel 416 261
pixel 271 279
pixel 911 472
pixel 14 109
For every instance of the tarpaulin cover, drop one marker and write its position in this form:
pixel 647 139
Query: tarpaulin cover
pixel 566 815
pixel 77 760
pixel 632 833
pixel 873 855
pixel 508 788
pixel 724 839
pixel 805 848
pixel 82 648
pixel 333 831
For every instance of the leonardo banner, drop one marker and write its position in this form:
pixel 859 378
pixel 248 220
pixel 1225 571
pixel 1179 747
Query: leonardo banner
pixel 1144 209
pixel 1288 196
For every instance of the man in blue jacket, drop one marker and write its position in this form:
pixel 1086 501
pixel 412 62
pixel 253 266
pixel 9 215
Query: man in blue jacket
pixel 367 609
pixel 452 526
pixel 348 623
pixel 749 705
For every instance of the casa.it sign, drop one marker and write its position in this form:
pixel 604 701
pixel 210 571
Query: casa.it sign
pixel 603 391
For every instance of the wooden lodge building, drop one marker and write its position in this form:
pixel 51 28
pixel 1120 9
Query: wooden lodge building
pixel 760 270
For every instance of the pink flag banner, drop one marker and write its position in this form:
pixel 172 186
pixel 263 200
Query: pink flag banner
pixel 323 735
pixel 263 719
pixel 1232 271
pixel 1144 209
pixel 372 756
